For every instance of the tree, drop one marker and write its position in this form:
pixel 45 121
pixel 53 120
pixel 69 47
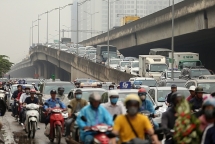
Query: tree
pixel 5 64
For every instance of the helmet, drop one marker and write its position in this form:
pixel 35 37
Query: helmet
pixel 99 84
pixel 173 86
pixel 78 91
pixel 94 97
pixel 213 94
pixel 176 98
pixel 53 92
pixel 32 91
pixel 132 98
pixel 209 102
pixel 113 93
pixel 118 87
pixel 60 88
pixel 111 86
pixel 192 88
pixel 142 91
pixel 27 88
pixel 199 89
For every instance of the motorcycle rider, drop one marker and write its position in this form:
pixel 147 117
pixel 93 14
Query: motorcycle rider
pixel 168 118
pixel 29 100
pixel 192 93
pixel 99 85
pixel 22 100
pixel 146 104
pixel 95 114
pixel 168 97
pixel 2 87
pixel 111 87
pixel 34 86
pixel 209 111
pixel 197 101
pixel 14 96
pixel 208 108
pixel 139 122
pixel 60 95
pixel 77 104
pixel 113 107
pixel 51 103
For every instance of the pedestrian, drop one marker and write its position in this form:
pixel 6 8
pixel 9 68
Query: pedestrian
pixel 168 97
pixel 196 102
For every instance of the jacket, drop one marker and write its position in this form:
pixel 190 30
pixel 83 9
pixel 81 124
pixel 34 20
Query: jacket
pixel 94 117
pixel 15 94
pixel 73 104
pixel 209 135
pixel 196 103
pixel 147 105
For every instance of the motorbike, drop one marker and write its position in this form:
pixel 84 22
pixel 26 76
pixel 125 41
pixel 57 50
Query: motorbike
pixel 16 106
pixel 56 124
pixel 75 128
pixel 31 121
pixel 65 116
pixel 101 130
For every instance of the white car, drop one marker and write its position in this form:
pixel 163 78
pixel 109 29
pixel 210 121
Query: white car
pixel 113 63
pixel 122 64
pixel 123 94
pixel 133 68
pixel 159 94
pixel 168 74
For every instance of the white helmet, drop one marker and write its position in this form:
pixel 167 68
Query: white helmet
pixel 113 93
pixel 192 88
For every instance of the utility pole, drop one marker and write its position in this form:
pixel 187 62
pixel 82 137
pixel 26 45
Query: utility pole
pixel 172 46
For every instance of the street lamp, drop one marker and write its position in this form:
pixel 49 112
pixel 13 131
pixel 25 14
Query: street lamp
pixel 60 8
pixel 91 15
pixel 68 29
pixel 33 31
pixel 172 46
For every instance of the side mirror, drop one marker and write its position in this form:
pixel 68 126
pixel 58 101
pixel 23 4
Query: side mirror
pixel 83 118
pixel 147 70
pixel 157 107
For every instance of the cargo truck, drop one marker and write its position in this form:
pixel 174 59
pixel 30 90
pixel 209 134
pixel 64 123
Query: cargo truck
pixel 127 19
pixel 152 65
pixel 184 59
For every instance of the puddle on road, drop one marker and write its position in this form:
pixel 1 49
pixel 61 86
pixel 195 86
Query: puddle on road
pixel 22 138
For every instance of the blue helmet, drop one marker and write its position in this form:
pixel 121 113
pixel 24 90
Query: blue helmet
pixel 209 102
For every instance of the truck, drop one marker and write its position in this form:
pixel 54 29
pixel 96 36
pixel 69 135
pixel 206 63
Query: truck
pixel 152 65
pixel 184 59
pixel 127 19
pixel 161 51
pixel 65 40
pixel 102 53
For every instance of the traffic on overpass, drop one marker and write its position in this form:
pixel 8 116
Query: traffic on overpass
pixel 93 88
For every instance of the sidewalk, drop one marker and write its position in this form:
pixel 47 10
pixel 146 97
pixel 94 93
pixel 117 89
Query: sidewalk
pixel 6 134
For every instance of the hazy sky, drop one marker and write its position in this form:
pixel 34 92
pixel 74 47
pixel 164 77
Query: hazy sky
pixel 16 18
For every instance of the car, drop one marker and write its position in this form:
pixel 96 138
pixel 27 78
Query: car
pixel 86 92
pixel 45 89
pixel 207 84
pixel 121 65
pixel 167 74
pixel 130 59
pixel 10 93
pixel 133 68
pixel 169 82
pixel 113 62
pixel 193 72
pixel 159 94
pixel 30 81
pixel 207 77
pixel 123 94
pixel 144 81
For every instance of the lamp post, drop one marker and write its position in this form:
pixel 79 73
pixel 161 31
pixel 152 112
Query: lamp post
pixel 172 46
pixel 68 29
pixel 30 34
pixel 33 32
pixel 91 15
pixel 60 8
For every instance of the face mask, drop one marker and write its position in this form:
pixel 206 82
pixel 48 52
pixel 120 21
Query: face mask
pixel 111 88
pixel 143 97
pixel 132 111
pixel 27 91
pixel 209 113
pixel 78 96
pixel 114 100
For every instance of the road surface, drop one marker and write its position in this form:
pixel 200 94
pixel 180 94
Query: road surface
pixel 15 132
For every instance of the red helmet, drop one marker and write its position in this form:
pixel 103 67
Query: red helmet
pixel 32 91
pixel 142 91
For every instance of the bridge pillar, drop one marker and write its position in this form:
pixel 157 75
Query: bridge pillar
pixel 45 70
pixel 56 72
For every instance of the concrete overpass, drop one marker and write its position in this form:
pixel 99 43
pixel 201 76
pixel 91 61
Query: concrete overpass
pixel 47 61
pixel 194 31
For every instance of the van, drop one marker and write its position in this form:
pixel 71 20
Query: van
pixel 102 53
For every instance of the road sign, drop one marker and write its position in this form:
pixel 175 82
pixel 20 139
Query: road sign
pixel 125 85
pixel 56 41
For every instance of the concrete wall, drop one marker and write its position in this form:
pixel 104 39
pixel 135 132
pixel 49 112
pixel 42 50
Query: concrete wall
pixel 48 61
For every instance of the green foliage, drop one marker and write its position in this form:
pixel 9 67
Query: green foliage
pixel 5 64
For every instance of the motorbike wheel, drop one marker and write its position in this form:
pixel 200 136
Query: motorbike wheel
pixel 58 134
pixel 31 133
